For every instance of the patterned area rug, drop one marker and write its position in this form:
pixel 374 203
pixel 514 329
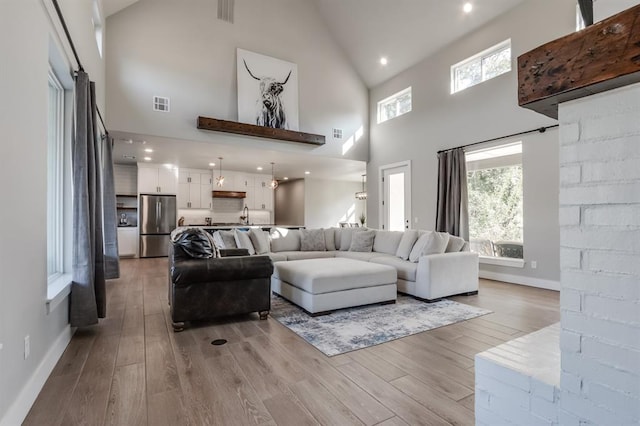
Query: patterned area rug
pixel 349 329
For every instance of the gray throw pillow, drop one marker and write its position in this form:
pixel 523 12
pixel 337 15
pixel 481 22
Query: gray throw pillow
pixel 362 241
pixel 195 242
pixel 345 237
pixel 455 244
pixel 244 241
pixel 312 240
pixel 329 239
pixel 409 238
pixel 225 240
pixel 260 240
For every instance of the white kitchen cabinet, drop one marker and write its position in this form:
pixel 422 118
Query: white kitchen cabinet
pixel 244 181
pixel 127 241
pixel 156 179
pixel 194 189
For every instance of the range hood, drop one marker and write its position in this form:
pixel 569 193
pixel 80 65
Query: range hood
pixel 229 194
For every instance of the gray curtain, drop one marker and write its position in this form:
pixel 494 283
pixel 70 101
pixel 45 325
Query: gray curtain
pixel 88 294
pixel 111 262
pixel 453 211
pixel 586 10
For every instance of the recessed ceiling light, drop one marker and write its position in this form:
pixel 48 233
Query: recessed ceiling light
pixel 285 178
pixel 147 158
pixel 384 61
pixel 212 164
pixel 258 168
pixel 307 172
pixel 467 8
pixel 148 150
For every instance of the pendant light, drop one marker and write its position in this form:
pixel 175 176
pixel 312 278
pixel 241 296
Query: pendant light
pixel 274 182
pixel 220 179
pixel 362 195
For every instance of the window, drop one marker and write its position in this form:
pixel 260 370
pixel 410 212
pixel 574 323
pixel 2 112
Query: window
pixel 395 105
pixel 580 25
pixel 97 25
pixel 55 181
pixel 494 185
pixel 481 67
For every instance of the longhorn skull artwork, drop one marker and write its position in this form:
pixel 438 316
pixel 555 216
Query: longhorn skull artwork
pixel 270 110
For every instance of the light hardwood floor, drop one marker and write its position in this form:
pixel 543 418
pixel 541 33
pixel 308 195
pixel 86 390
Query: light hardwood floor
pixel 133 370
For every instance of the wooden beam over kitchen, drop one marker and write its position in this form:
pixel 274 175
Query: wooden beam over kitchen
pixel 206 123
pixel 602 57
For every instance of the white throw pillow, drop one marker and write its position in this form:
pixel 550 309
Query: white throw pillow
pixel 436 244
pixel 409 238
pixel 260 240
pixel 455 244
pixel 416 251
pixel 283 239
pixel 387 241
pixel 224 240
pixel 243 241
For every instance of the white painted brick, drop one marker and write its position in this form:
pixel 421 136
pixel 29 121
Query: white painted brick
pixel 569 133
pixel 613 215
pixel 614 355
pixel 570 382
pixel 570 341
pixel 568 419
pixel 611 126
pixel 616 310
pixel 610 285
pixel 604 261
pixel 501 373
pixel 621 193
pixel 569 216
pixel 625 407
pixel 617 149
pixel 609 331
pixel 593 371
pixel 488 417
pixel 571 299
pixel 481 398
pixel 503 390
pixel 545 409
pixel 570 258
pixel 514 413
pixel 586 409
pixel 601 238
pixel 611 171
pixel 543 390
pixel 570 174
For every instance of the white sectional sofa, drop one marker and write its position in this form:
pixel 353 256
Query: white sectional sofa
pixel 430 265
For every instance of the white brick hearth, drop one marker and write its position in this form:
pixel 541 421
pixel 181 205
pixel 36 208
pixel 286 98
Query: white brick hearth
pixel 599 335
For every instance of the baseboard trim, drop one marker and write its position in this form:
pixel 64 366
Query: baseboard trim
pixel 518 279
pixel 18 411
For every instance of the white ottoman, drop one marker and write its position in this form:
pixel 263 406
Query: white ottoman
pixel 322 285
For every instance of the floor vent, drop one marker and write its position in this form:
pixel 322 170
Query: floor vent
pixel 225 10
pixel 160 104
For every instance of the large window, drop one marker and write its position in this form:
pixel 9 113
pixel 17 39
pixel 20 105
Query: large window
pixel 481 67
pixel 494 183
pixel 395 105
pixel 55 181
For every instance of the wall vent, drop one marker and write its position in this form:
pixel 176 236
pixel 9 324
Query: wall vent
pixel 337 133
pixel 225 10
pixel 160 104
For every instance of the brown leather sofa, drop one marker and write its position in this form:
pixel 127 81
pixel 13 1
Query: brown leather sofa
pixel 204 289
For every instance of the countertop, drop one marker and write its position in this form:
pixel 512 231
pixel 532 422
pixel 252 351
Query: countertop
pixel 244 226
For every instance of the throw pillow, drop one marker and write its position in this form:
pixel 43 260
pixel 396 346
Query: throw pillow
pixel 436 244
pixel 345 237
pixel 455 244
pixel 260 240
pixel 244 241
pixel 195 242
pixel 362 241
pixel 312 240
pixel 330 239
pixel 283 239
pixel 224 240
pixel 418 247
pixel 409 238
pixel 387 241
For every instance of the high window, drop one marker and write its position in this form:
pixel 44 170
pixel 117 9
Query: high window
pixel 494 184
pixel 395 105
pixel 481 67
pixel 55 181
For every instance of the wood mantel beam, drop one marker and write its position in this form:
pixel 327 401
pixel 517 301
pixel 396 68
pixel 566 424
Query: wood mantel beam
pixel 602 57
pixel 206 123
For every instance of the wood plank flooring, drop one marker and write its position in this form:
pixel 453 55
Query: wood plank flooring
pixel 133 370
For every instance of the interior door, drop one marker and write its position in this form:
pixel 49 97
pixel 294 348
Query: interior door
pixel 396 197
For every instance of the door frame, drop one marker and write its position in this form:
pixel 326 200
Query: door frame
pixel 407 183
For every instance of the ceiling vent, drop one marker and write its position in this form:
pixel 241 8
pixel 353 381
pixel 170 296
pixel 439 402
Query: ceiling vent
pixel 160 104
pixel 225 10
pixel 337 133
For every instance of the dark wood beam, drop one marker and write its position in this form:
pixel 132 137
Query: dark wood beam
pixel 206 123
pixel 228 194
pixel 601 57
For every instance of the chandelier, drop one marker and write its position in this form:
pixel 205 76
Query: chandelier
pixel 220 179
pixel 274 182
pixel 362 195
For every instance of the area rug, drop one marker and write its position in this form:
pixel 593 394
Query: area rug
pixel 346 330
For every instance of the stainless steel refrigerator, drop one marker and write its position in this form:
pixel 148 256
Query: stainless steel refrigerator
pixel 157 220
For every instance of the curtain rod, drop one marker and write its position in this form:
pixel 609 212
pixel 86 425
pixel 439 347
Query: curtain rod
pixel 75 53
pixel 540 129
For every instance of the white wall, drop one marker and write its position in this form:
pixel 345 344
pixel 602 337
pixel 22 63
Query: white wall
pixel 439 120
pixel 329 202
pixel 182 51
pixel 25 31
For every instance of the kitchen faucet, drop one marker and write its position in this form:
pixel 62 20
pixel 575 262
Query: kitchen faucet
pixel 245 214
